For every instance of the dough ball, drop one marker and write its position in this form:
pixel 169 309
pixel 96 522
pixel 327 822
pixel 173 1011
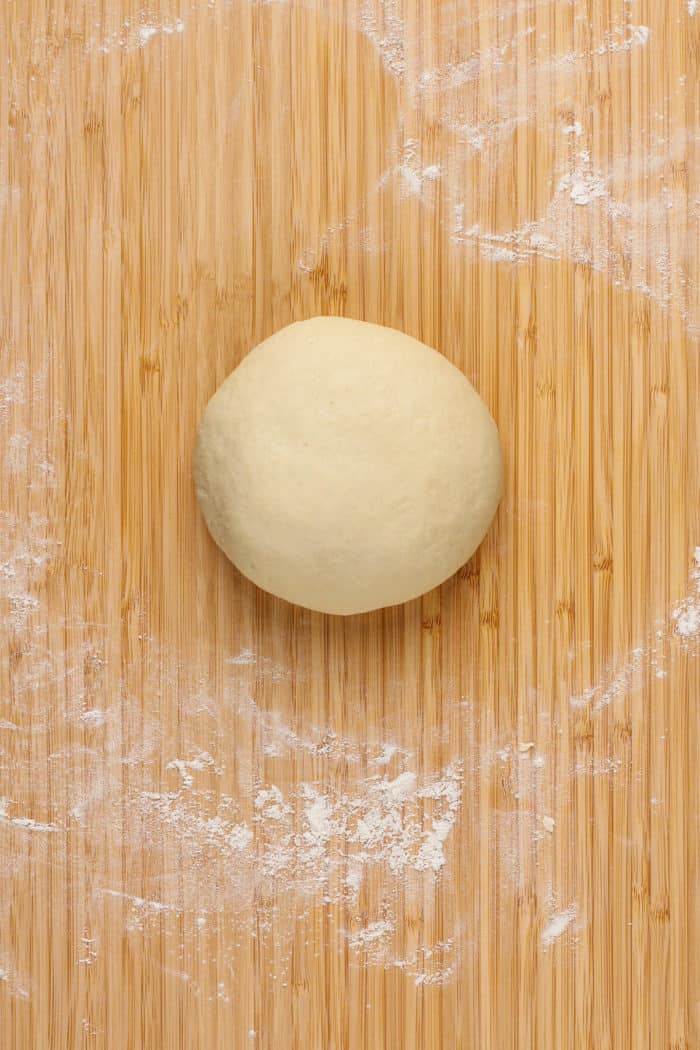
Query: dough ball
pixel 345 466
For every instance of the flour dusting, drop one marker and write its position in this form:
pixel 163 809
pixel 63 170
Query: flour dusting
pixel 147 31
pixel 132 34
pixel 686 615
pixel 370 935
pixel 23 823
pixel 683 623
pixel 11 982
pixel 557 925
pixel 387 32
pixel 623 213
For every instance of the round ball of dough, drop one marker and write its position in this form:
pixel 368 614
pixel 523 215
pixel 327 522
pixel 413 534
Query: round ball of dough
pixel 345 466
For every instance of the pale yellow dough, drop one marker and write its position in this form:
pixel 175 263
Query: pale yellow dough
pixel 345 466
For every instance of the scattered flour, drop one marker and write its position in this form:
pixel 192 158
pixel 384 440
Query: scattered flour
pixel 18 447
pixel 26 553
pixel 146 32
pixel 240 837
pixel 686 616
pixel 10 980
pixel 141 909
pixel 558 924
pixel 262 665
pixel 583 187
pixel 620 215
pixel 387 32
pixel 684 623
pixel 387 753
pixel 415 178
pixel 246 658
pixel 185 767
pixel 95 718
pixel 23 823
pixel 619 684
pixel 309 838
pixel 375 932
pixel 638 36
pixel 13 391
pixel 181 767
pixel 131 35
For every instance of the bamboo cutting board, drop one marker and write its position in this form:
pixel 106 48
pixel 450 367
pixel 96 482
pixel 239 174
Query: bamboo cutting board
pixel 470 822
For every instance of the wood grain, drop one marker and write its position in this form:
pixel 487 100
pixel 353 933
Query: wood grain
pixel 170 194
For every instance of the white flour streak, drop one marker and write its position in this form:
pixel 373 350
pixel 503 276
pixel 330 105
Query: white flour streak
pixel 23 823
pixel 387 32
pixel 603 693
pixel 693 7
pixel 428 964
pixel 583 187
pixel 593 768
pixel 246 658
pixel 18 452
pixel 558 925
pixel 688 619
pixel 131 35
pixel 618 216
pixel 577 225
pixel 310 836
pixel 180 766
pixel 263 665
pixel 147 32
pixel 240 838
pixel 185 767
pixel 684 623
pixel 12 392
pixel 387 753
pixel 26 552
pixel 138 902
pixel 11 982
pixel 401 788
pixel 573 129
pixel 375 932
pixel 686 615
pixel 415 178
pixel 141 909
pixel 95 718
pixel 441 977
pixel 450 76
pixel 318 815
pixel 280 740
pixel 638 37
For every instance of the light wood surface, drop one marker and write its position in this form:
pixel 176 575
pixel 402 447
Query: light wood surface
pixel 175 184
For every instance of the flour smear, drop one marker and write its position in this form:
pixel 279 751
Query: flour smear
pixel 619 209
pixel 557 925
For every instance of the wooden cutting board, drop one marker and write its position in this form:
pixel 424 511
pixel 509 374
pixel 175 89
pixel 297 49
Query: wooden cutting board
pixel 469 822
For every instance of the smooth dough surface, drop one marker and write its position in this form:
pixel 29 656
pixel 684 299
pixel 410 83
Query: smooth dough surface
pixel 345 466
